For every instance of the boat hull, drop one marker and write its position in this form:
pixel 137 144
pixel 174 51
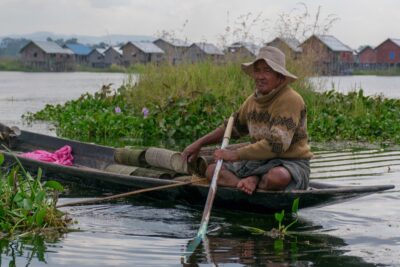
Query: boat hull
pixel 90 160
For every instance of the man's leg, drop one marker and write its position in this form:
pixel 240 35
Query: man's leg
pixel 277 178
pixel 248 184
pixel 227 178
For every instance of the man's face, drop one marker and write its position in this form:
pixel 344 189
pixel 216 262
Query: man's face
pixel 266 78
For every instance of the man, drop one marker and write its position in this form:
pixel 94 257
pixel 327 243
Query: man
pixel 275 118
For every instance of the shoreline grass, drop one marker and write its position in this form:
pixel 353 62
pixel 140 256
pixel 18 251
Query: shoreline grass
pixel 393 71
pixel 14 65
pixel 17 65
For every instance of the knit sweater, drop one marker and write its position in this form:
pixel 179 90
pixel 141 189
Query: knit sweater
pixel 276 123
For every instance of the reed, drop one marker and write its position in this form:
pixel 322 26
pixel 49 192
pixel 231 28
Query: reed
pixel 161 84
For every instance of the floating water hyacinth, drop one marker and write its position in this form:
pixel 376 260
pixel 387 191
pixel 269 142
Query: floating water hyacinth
pixel 118 110
pixel 145 112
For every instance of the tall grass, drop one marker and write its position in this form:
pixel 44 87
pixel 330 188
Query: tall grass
pixel 187 101
pixel 13 65
pixel 159 84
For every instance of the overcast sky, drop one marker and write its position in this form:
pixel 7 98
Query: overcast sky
pixel 360 22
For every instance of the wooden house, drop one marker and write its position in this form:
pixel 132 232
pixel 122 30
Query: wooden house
pixel 96 58
pixel 366 57
pixel 47 56
pixel 141 53
pixel 328 54
pixel 240 51
pixel 81 53
pixel 388 53
pixel 289 46
pixel 174 49
pixel 204 51
pixel 113 55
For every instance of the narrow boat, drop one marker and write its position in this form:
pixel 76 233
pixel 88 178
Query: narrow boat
pixel 91 166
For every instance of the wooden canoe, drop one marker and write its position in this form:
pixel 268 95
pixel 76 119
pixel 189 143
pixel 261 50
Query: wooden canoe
pixel 90 162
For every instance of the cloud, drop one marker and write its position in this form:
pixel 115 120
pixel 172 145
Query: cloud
pixel 109 3
pixel 207 19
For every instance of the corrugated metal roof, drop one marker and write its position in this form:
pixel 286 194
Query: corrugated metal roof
pixel 98 50
pixel 51 47
pixel 118 49
pixel 253 48
pixel 364 48
pixel 148 47
pixel 293 43
pixel 333 43
pixel 101 50
pixel 396 41
pixel 176 42
pixel 115 48
pixel 79 49
pixel 209 49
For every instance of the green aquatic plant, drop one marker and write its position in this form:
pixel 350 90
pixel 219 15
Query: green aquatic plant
pixel 27 204
pixel 279 216
pixel 282 229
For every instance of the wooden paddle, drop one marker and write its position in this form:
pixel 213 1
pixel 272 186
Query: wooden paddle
pixel 211 194
pixel 131 193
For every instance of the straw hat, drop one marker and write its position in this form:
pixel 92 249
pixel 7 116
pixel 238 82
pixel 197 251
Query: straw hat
pixel 275 58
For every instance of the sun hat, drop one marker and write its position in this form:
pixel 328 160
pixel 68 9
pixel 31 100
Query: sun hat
pixel 275 58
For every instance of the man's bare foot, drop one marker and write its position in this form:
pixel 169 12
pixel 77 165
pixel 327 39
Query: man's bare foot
pixel 248 184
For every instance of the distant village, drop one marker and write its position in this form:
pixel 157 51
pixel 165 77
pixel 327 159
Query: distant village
pixel 331 56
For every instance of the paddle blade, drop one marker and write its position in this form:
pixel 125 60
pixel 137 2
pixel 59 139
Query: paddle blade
pixel 193 244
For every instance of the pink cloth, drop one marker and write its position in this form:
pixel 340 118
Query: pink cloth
pixel 63 156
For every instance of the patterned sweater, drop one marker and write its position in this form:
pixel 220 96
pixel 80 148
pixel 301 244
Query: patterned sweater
pixel 276 123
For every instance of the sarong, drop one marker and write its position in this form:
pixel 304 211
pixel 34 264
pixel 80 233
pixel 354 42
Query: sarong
pixel 299 169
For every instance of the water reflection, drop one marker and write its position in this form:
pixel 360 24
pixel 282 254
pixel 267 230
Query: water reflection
pixel 26 250
pixel 229 244
pixel 300 249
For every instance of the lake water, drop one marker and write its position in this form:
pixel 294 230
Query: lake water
pixel 21 92
pixel 388 86
pixel 136 232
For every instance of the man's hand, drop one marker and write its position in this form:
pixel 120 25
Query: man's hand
pixel 191 152
pixel 225 154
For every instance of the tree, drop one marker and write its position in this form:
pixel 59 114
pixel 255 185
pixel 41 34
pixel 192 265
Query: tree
pixel 60 41
pixel 10 47
pixel 72 41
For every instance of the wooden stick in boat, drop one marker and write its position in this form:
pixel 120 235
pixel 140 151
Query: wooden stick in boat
pixel 211 194
pixel 131 193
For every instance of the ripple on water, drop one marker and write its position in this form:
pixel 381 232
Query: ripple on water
pixel 135 220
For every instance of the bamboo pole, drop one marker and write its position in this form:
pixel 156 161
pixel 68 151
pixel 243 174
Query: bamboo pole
pixel 131 193
pixel 211 193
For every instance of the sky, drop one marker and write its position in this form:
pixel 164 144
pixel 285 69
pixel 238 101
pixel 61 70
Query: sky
pixel 356 22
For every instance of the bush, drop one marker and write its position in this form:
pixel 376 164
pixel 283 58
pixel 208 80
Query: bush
pixel 27 204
